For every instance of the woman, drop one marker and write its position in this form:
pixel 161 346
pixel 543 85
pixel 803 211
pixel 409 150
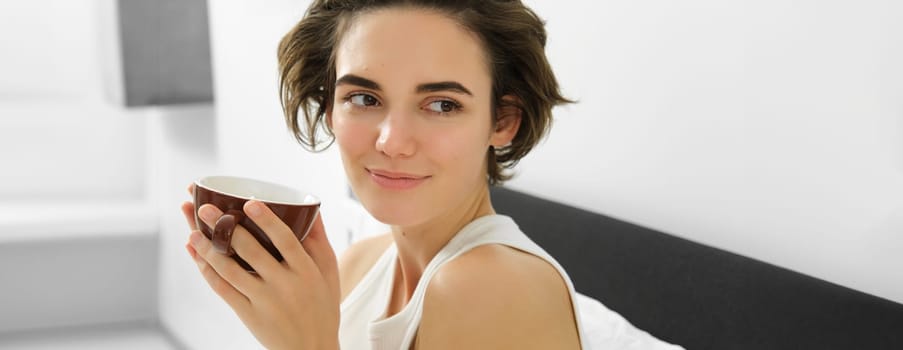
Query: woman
pixel 429 102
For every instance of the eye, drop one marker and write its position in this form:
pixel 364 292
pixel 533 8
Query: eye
pixel 363 100
pixel 443 106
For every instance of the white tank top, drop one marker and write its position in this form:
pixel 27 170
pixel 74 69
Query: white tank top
pixel 364 324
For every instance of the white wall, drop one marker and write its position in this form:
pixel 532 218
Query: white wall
pixel 769 128
pixel 60 137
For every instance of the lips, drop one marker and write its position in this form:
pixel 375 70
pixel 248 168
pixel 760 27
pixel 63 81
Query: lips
pixel 396 180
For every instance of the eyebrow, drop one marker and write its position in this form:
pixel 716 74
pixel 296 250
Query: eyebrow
pixel 443 86
pixel 351 79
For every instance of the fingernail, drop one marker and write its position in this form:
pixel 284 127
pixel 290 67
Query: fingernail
pixel 190 250
pixel 206 213
pixel 253 208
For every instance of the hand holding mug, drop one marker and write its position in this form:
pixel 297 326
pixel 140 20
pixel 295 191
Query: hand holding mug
pixel 288 296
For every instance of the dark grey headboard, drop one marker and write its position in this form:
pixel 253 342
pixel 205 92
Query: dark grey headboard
pixel 698 296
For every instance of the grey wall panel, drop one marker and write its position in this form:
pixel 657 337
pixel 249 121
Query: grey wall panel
pixel 165 47
pixel 78 281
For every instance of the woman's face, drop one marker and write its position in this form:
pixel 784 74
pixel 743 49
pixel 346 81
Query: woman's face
pixel 412 114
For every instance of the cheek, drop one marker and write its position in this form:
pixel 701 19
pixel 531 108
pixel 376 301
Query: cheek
pixel 351 137
pixel 465 151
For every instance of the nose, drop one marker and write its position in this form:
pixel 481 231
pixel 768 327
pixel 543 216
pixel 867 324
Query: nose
pixel 397 136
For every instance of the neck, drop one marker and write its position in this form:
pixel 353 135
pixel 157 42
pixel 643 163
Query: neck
pixel 418 244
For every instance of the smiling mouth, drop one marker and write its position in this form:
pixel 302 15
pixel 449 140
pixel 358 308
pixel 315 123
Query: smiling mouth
pixel 396 181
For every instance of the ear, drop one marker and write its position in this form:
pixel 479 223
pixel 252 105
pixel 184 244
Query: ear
pixel 508 115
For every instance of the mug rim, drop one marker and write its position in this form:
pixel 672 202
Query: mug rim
pixel 316 200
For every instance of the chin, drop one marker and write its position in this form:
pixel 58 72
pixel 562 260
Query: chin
pixel 394 209
pixel 394 214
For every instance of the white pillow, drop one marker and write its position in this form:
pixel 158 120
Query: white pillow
pixel 605 329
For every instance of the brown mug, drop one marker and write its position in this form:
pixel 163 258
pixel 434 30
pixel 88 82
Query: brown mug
pixel 297 209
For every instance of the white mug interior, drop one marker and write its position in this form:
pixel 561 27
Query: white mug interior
pixel 246 188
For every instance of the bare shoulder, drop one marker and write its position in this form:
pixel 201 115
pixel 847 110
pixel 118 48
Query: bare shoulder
pixel 359 258
pixel 497 297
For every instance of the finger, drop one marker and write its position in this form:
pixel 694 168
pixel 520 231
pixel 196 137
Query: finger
pixel 249 249
pixel 191 189
pixel 277 231
pixel 239 302
pixel 317 245
pixel 188 212
pixel 209 213
pixel 224 265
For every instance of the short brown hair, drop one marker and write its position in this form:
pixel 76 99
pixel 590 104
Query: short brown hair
pixel 513 36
